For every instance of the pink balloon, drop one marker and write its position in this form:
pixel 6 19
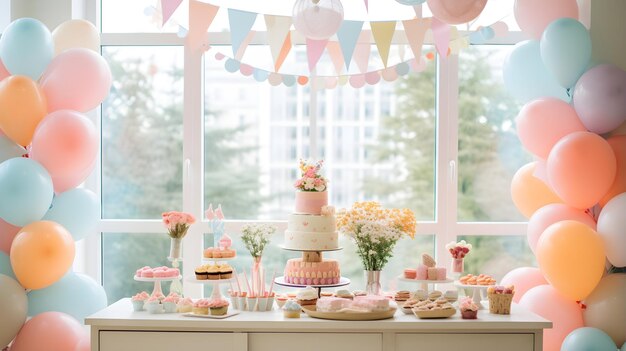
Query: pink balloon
pixel 7 233
pixel 543 122
pixel 76 79
pixel 550 214
pixel 581 169
pixel 50 331
pixel 524 279
pixel 85 343
pixel 65 143
pixel 456 11
pixel 533 16
pixel 70 181
pixel 564 314
pixel 3 71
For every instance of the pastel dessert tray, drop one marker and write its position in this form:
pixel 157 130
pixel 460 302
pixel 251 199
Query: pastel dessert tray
pixel 349 314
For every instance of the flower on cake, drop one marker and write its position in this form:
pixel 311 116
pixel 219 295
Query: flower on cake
pixel 256 236
pixel 177 223
pixel 310 179
pixel 375 230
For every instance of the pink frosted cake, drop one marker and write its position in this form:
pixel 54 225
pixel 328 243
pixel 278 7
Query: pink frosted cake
pixel 300 272
pixel 371 303
pixel 332 304
pixel 311 202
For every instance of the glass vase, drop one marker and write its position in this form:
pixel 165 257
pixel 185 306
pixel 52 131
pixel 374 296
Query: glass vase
pixel 257 270
pixel 372 285
pixel 457 265
pixel 176 245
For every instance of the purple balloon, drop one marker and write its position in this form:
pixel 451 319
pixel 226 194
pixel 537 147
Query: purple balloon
pixel 600 98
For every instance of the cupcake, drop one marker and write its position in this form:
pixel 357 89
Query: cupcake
pixel 213 272
pixel 169 304
pixel 153 305
pixel 185 305
pixel 159 296
pixel 201 307
pixel 292 309
pixel 226 271
pixel 218 307
pixel 208 252
pixel 307 296
pixel 345 294
pixel 139 300
pixel 201 273
pixel 468 308
pixel 281 300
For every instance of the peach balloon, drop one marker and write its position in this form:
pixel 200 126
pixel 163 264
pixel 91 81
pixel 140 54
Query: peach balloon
pixel 550 214
pixel 581 169
pixel 7 234
pixel 65 143
pixel 529 193
pixel 76 33
pixel 22 107
pixel 524 279
pixel 41 253
pixel 76 79
pixel 618 144
pixel 533 16
pixel 571 257
pixel 456 11
pixel 50 331
pixel 565 315
pixel 541 123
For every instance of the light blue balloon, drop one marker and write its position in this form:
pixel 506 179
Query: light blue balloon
pixel 26 189
pixel 566 50
pixel 588 339
pixel 411 2
pixel 289 80
pixel 9 149
pixel 402 68
pixel 487 33
pixel 75 294
pixel 260 75
pixel 26 47
pixel 77 211
pixel 5 265
pixel 525 76
pixel 231 65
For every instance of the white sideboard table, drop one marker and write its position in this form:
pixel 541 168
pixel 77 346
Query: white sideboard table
pixel 118 328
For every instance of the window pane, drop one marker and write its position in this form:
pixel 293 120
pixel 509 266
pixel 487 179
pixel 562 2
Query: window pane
pixel 489 151
pixel 142 132
pixel 123 254
pixel 497 255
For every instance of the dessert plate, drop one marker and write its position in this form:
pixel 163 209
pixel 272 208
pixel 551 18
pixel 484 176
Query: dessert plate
pixel 427 314
pixel 349 315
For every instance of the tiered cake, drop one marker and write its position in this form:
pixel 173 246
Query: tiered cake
pixel 311 229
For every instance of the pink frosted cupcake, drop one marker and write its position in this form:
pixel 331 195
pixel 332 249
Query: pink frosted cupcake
pixel 158 296
pixel 468 308
pixel 139 300
pixel 147 273
pixel 153 305
pixel 169 304
pixel 201 307
pixel 159 273
pixel 185 305
pixel 218 307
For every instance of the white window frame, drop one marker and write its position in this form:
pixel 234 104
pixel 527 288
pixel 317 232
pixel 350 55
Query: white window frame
pixel 445 225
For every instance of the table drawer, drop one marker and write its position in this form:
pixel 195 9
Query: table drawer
pixel 314 342
pixel 465 342
pixel 168 341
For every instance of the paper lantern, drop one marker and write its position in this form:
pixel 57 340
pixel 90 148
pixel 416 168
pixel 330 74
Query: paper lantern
pixel 317 19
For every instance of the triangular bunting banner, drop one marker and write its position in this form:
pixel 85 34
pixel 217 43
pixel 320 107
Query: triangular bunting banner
pixel 278 36
pixel 348 35
pixel 441 34
pixel 415 31
pixel 201 15
pixel 367 5
pixel 383 33
pixel 168 7
pixel 334 51
pixel 244 45
pixel 362 51
pixel 314 50
pixel 241 23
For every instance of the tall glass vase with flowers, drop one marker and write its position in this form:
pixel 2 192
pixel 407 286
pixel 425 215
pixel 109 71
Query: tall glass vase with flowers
pixel 177 224
pixel 375 231
pixel 255 237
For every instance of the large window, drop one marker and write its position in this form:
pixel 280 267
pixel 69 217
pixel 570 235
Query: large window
pixel 441 142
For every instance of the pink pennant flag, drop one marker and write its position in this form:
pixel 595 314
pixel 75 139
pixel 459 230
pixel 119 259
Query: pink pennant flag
pixel 334 50
pixel 441 34
pixel 201 15
pixel 362 51
pixel 415 31
pixel 367 5
pixel 314 50
pixel 168 7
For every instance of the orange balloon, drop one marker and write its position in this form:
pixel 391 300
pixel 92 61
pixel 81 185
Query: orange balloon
pixel 618 144
pixel 581 169
pixel 22 107
pixel 529 193
pixel 571 256
pixel 41 253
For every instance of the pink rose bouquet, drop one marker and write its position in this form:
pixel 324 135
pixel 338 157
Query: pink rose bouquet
pixel 177 223
pixel 311 179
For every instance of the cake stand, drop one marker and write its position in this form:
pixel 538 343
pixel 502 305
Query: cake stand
pixel 216 293
pixel 157 282
pixel 476 294
pixel 425 283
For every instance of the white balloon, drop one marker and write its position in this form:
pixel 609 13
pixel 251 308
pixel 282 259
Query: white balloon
pixel 612 229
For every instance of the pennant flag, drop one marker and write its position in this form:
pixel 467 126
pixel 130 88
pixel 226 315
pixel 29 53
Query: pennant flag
pixel 334 50
pixel 278 36
pixel 441 34
pixel 244 45
pixel 383 33
pixel 362 51
pixel 314 50
pixel 348 35
pixel 240 25
pixel 367 5
pixel 201 15
pixel 415 31
pixel 168 7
